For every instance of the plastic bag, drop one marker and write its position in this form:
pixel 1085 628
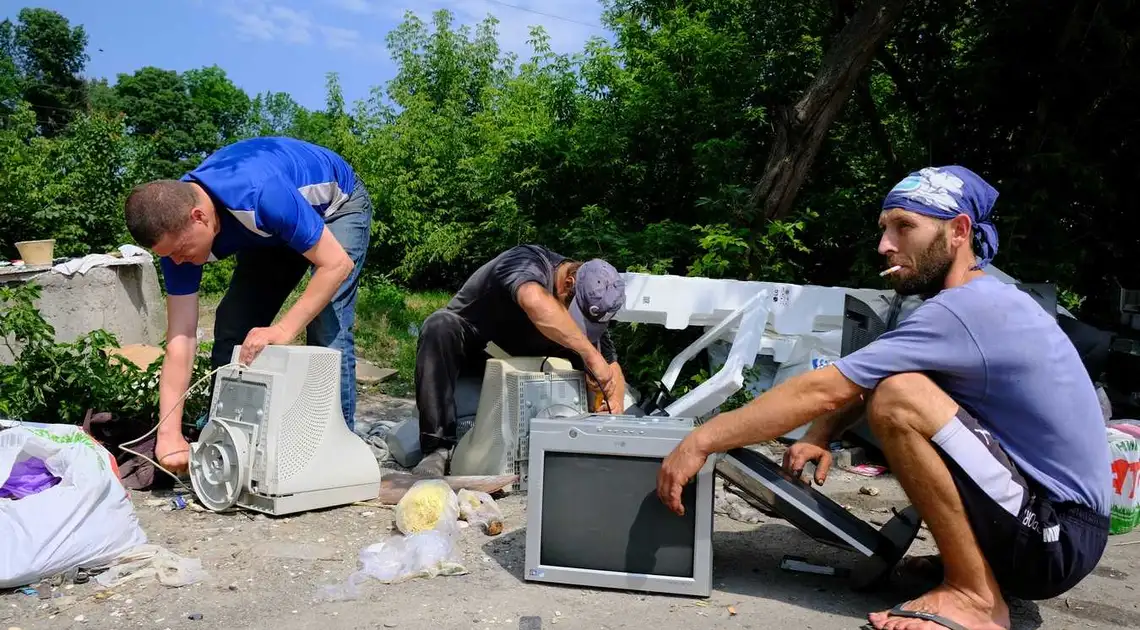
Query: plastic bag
pixel 1105 404
pixel 144 561
pixel 27 477
pixel 1125 452
pixel 84 521
pixel 428 515
pixel 398 558
pixel 428 504
pixel 478 508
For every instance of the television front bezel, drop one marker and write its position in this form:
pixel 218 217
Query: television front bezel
pixel 621 436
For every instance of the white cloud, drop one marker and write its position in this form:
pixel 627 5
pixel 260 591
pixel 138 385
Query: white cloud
pixel 292 25
pixel 273 21
pixel 359 27
pixel 250 26
pixel 356 6
pixel 339 38
pixel 568 23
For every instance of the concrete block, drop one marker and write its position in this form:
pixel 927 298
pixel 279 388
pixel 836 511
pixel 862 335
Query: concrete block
pixel 124 300
pixel 368 373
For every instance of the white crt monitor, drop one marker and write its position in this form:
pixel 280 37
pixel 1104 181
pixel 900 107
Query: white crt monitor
pixel 593 515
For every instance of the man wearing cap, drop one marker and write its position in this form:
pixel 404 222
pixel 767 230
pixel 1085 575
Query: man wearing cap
pixel 982 407
pixel 529 301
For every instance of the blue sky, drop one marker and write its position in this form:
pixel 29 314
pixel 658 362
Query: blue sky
pixel 289 45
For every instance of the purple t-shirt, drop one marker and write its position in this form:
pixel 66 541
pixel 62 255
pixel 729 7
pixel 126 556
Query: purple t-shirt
pixel 1001 357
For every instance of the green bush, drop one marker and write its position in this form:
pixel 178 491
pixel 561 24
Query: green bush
pixel 388 319
pixel 59 382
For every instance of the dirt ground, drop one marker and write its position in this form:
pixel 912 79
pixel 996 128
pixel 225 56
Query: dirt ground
pixel 267 573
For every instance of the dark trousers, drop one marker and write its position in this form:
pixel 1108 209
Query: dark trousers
pixel 448 346
pixel 264 277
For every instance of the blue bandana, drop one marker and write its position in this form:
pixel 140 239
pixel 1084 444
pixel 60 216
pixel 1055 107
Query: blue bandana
pixel 944 192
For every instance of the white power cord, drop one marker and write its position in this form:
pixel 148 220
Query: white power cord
pixel 158 466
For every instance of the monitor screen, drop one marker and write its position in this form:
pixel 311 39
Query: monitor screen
pixel 601 512
pixel 861 325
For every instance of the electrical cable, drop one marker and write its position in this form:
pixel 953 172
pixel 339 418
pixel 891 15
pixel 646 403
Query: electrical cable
pixel 157 465
pixel 549 15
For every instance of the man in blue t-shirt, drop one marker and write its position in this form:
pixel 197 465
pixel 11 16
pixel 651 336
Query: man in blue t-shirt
pixel 281 207
pixel 981 403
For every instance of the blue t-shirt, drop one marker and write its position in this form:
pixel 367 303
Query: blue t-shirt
pixel 268 192
pixel 1003 359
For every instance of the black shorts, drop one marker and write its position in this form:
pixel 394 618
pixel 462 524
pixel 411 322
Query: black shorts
pixel 1037 549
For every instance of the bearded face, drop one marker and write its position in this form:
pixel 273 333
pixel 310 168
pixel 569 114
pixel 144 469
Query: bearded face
pixel 920 246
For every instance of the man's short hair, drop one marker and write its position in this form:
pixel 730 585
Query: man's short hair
pixel 158 208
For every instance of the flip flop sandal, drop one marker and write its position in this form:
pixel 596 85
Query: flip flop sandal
pixel 899 611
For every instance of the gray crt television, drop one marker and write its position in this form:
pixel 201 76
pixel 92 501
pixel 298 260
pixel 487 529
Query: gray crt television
pixel 593 515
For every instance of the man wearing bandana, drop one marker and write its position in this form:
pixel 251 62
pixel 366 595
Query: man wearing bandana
pixel 981 403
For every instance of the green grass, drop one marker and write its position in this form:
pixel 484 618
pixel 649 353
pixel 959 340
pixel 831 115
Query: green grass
pixel 388 319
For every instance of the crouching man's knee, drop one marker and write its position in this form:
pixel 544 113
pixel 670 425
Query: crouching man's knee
pixel 441 328
pixel 909 402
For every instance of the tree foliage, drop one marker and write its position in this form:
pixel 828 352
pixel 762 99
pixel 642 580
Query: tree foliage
pixel 647 150
pixel 41 57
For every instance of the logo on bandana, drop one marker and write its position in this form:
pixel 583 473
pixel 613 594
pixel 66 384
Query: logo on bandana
pixel 907 185
pixel 933 188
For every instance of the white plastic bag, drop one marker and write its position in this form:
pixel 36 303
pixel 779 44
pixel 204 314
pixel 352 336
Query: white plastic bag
pixel 1124 449
pixel 480 510
pixel 84 521
pixel 153 561
pixel 424 554
pixel 428 516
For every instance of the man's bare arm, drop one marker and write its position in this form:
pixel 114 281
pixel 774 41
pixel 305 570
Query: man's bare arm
pixel 178 362
pixel 332 265
pixel 831 425
pixel 787 406
pixel 554 322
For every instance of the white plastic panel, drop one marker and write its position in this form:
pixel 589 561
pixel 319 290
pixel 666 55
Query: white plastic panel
pixel 730 378
pixel 677 302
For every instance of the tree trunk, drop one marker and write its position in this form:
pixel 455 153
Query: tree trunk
pixel 800 129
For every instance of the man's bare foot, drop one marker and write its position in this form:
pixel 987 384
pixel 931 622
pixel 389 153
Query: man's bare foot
pixel 968 611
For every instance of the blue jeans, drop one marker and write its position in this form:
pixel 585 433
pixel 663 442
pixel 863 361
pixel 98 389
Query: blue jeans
pixel 264 277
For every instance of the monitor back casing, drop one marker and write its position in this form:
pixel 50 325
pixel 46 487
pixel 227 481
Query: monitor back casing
pixel 603 435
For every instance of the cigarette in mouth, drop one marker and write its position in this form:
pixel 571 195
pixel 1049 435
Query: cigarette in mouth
pixel 887 272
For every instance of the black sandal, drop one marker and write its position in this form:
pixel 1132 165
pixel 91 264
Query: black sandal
pixel 899 611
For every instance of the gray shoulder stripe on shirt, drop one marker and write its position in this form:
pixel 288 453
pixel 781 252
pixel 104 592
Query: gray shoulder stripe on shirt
pixel 246 218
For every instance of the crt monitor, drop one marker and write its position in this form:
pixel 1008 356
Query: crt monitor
pixel 594 518
pixel 861 325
